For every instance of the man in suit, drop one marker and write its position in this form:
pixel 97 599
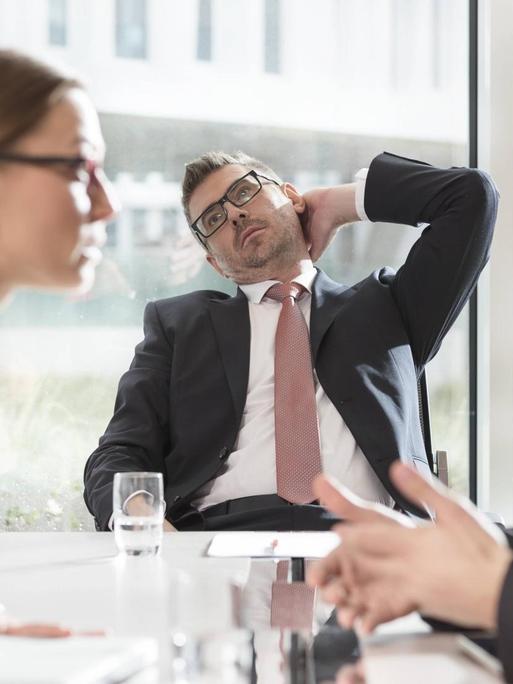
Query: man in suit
pixel 197 403
pixel 459 569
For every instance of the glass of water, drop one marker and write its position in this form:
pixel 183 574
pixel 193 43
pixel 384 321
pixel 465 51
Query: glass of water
pixel 138 500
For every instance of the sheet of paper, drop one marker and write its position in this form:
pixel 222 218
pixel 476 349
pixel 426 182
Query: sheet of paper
pixel 77 660
pixel 272 544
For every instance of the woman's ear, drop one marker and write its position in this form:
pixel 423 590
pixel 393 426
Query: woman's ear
pixel 295 197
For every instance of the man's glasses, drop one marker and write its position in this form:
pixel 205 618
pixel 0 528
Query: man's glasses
pixel 84 170
pixel 239 193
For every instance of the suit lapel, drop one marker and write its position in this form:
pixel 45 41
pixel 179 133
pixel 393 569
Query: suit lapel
pixel 230 318
pixel 327 299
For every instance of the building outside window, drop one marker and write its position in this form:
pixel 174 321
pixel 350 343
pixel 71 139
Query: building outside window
pixel 57 22
pixel 437 44
pixel 131 29
pixel 204 44
pixel 272 37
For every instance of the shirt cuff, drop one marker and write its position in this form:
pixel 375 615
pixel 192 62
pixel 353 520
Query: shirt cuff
pixel 359 198
pixel 136 493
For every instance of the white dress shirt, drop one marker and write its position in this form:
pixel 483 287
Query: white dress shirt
pixel 251 467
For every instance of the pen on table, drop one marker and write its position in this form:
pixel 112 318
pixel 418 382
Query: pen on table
pixel 271 547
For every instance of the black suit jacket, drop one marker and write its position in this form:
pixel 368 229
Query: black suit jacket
pixel 505 626
pixel 179 406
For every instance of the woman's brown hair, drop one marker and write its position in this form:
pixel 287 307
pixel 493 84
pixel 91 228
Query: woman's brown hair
pixel 28 90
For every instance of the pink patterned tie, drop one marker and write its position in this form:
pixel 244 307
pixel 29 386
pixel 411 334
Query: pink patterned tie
pixel 298 453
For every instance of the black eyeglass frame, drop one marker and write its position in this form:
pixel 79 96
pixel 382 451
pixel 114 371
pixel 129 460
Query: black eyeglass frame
pixel 222 200
pixel 74 163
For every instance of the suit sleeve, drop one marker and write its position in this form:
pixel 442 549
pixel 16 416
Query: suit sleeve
pixel 441 270
pixel 137 437
pixel 508 532
pixel 505 625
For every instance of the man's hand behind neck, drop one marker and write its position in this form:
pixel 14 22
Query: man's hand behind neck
pixel 327 209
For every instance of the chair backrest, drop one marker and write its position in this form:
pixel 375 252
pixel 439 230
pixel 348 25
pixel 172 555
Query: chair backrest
pixel 423 397
pixel 437 461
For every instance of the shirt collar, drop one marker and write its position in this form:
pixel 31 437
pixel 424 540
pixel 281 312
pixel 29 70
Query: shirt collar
pixel 255 291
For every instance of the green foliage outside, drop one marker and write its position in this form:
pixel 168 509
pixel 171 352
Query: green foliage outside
pixel 49 425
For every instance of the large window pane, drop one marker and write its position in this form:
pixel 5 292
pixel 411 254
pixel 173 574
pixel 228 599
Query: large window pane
pixel 272 36
pixel 131 28
pixel 204 47
pixel 57 22
pixel 353 86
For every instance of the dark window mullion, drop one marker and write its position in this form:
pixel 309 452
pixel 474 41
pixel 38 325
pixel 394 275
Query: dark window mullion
pixel 473 313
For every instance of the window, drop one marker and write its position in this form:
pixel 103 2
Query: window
pixel 57 22
pixel 131 29
pixel 112 231
pixel 61 357
pixel 272 42
pixel 204 45
pixel 437 59
pixel 404 42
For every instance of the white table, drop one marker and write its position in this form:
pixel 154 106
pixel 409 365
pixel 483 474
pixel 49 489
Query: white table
pixel 78 580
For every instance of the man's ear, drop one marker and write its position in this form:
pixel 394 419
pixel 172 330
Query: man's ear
pixel 213 262
pixel 295 197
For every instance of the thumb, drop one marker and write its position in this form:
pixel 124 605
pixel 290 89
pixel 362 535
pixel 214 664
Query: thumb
pixel 426 494
pixel 453 510
pixel 350 507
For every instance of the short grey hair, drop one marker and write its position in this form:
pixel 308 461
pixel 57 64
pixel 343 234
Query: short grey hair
pixel 198 169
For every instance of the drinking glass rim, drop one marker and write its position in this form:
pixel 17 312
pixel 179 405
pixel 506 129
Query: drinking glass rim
pixel 138 473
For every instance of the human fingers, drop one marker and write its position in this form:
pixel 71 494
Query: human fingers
pixel 349 594
pixel 40 631
pixel 318 237
pixel 338 589
pixel 320 572
pixel 451 509
pixel 317 223
pixel 351 674
pixel 426 494
pixel 351 507
pixel 305 221
pixel 381 610
pixel 386 596
pixel 334 572
pixel 374 590
pixel 334 592
pixel 346 616
pixel 368 541
pixel 320 240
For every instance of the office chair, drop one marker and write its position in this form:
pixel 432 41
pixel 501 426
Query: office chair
pixel 438 460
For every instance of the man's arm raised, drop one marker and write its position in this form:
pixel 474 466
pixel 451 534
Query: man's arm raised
pixel 456 210
pixel 327 210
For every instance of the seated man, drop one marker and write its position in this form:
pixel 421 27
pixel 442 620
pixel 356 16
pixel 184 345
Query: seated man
pixel 238 433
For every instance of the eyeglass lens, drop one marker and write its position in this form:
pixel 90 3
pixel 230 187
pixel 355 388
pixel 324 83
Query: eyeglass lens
pixel 239 194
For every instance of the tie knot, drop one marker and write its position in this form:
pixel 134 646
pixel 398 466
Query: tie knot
pixel 281 291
